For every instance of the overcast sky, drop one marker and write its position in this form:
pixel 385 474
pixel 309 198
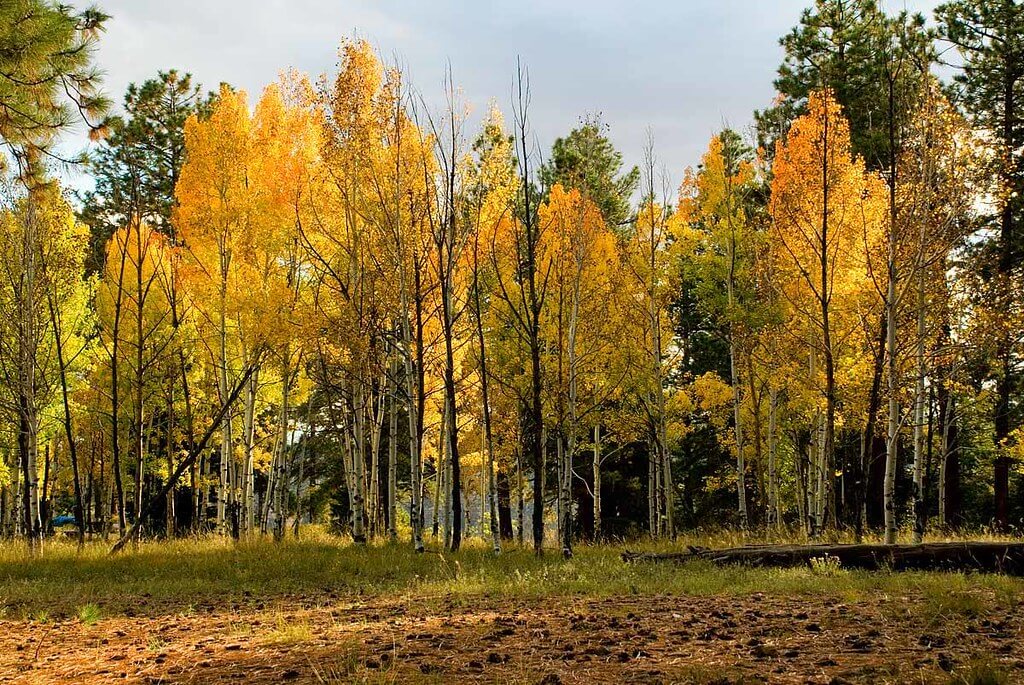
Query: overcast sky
pixel 680 67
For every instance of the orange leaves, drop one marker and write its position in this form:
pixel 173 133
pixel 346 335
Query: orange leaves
pixel 827 214
pixel 213 182
pixel 824 207
pixel 242 194
pixel 706 194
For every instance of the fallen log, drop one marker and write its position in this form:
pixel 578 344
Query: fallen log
pixel 988 557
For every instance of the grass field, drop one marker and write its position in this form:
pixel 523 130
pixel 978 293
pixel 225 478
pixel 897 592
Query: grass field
pixel 322 610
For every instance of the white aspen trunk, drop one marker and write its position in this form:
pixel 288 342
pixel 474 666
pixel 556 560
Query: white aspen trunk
pixel 482 488
pixel 919 416
pixel 654 471
pixel 348 461
pixel 17 513
pixel 278 485
pixel 169 530
pixel 225 459
pixel 412 410
pixel 520 514
pixel 440 473
pixel 773 486
pixel 5 503
pixel 393 451
pixel 946 447
pixel 892 433
pixel 544 459
pixel 813 456
pixel 492 500
pixel 597 482
pixel 140 459
pixel 376 431
pixel 106 499
pixel 247 515
pixel 300 481
pixel 741 464
pixel 226 448
pixel 446 491
pixel 822 479
pixel 567 503
pixel 942 485
pixel 358 477
pixel 652 488
pixel 558 485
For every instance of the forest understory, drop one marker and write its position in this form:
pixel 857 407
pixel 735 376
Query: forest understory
pixel 322 611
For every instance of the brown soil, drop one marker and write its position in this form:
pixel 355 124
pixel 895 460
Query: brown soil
pixel 559 640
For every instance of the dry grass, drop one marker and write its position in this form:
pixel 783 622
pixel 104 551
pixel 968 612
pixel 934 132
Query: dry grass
pixel 158 577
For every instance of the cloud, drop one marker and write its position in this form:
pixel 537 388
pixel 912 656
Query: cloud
pixel 681 67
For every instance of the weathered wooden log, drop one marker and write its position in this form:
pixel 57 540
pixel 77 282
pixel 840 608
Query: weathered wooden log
pixel 990 557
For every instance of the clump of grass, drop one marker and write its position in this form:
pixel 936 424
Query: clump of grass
pixel 981 673
pixel 827 565
pixel 289 632
pixel 940 606
pixel 89 614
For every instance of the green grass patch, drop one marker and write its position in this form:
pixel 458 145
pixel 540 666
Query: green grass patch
pixel 89 614
pixel 187 576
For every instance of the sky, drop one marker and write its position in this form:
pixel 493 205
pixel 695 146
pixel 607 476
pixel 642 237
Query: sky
pixel 679 68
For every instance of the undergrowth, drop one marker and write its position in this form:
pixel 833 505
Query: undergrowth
pixel 182 575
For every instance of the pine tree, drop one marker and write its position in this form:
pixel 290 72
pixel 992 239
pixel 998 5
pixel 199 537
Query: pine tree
pixel 48 81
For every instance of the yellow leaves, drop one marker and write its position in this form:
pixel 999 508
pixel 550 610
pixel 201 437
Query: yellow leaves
pixel 823 203
pixel 215 176
pixel 582 319
pixel 827 212
pixel 242 194
pixel 712 394
pixel 679 407
pixel 713 192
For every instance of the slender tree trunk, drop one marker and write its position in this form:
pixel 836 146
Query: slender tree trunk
pixel 920 513
pixel 358 465
pixel 55 324
pixel 300 481
pixel 280 477
pixel 867 441
pixel 520 504
pixel 115 404
pixel 892 436
pixel 393 449
pixel 169 524
pixel 774 519
pixel 598 534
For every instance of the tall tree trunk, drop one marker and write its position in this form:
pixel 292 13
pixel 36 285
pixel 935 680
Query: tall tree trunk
pixel 920 512
pixel 892 435
pixel 55 324
pixel 774 519
pixel 169 523
pixel 280 480
pixel 596 465
pixel 867 440
pixel 358 464
pixel 115 403
pixel 393 448
pixel 520 504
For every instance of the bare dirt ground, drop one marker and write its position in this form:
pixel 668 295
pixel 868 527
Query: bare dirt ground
pixel 559 640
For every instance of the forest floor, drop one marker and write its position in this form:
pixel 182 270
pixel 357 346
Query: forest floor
pixel 324 611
